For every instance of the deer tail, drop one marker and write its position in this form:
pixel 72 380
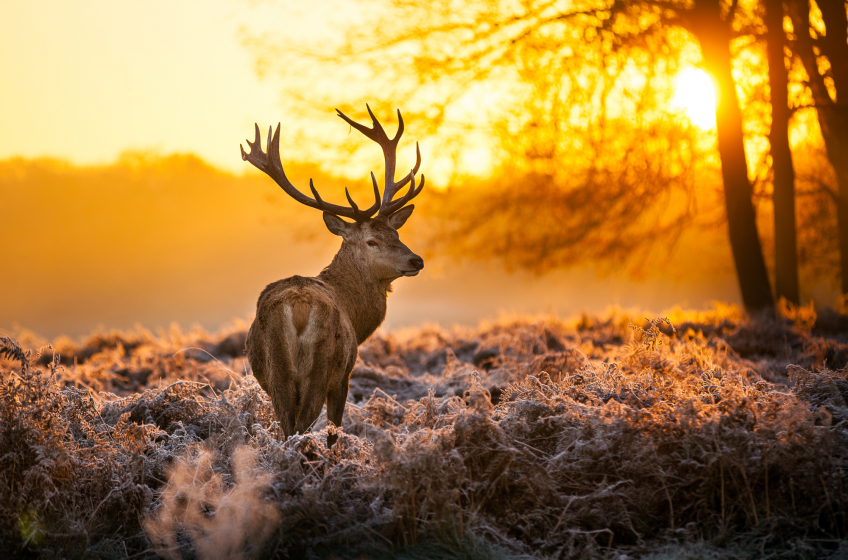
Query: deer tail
pixel 300 337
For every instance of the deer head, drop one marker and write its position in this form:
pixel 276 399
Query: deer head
pixel 373 241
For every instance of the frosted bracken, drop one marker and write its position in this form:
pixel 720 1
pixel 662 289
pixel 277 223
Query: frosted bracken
pixel 724 437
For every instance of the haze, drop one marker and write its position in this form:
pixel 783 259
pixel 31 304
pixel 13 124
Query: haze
pixel 87 82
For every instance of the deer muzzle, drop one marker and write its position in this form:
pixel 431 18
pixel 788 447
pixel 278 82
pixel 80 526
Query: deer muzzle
pixel 416 263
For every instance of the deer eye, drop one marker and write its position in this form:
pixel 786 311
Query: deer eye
pixel 371 243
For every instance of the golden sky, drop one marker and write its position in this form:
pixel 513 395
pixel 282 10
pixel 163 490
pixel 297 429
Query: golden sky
pixel 85 81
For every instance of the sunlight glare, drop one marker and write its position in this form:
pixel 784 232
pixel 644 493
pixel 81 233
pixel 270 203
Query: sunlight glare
pixel 695 94
pixel 477 161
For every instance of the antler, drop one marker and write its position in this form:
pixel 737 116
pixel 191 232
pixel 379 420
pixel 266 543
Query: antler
pixel 271 165
pixel 378 135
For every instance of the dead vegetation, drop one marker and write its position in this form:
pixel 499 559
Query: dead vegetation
pixel 720 437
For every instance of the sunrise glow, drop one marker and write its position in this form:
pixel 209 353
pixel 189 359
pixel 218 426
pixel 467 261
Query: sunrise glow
pixel 695 95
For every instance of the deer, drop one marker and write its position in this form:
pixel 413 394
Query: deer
pixel 303 342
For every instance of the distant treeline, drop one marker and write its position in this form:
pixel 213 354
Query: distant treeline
pixel 129 241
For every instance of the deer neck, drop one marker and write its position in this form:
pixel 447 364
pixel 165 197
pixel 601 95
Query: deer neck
pixel 360 295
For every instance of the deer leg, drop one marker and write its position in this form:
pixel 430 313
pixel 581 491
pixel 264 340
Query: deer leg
pixel 336 400
pixel 311 408
pixel 281 385
pixel 285 407
pixel 313 386
pixel 256 357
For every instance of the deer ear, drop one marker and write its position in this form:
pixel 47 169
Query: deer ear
pixel 399 218
pixel 336 225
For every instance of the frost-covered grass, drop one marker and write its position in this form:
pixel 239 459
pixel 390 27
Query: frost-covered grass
pixel 720 437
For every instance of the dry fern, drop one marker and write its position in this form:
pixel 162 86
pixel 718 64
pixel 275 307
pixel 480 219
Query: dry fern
pixel 724 436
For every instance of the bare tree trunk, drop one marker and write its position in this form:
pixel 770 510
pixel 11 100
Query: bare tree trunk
pixel 785 245
pixel 713 34
pixel 832 114
pixel 834 46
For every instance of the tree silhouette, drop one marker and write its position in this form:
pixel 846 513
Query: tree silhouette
pixel 825 58
pixel 712 26
pixel 785 245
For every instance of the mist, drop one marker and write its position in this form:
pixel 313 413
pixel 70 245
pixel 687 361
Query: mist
pixel 153 240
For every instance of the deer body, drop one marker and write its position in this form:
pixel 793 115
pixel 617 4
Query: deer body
pixel 301 349
pixel 302 346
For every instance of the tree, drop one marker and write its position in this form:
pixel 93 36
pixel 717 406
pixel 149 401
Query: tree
pixel 824 53
pixel 600 169
pixel 785 246
pixel 713 30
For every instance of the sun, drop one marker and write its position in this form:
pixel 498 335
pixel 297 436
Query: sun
pixel 695 94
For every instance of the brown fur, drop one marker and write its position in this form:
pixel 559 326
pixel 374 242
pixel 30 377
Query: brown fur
pixel 300 314
pixel 303 343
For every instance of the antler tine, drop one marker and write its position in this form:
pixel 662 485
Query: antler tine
pixel 376 188
pixel 256 142
pixel 352 203
pixel 378 128
pixel 377 133
pixel 315 192
pixel 400 184
pixel 394 206
pixel 270 164
pixel 399 132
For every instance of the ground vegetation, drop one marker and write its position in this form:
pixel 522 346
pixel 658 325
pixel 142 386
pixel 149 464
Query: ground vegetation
pixel 698 435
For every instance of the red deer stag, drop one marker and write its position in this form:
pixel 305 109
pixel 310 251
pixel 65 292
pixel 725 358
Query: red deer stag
pixel 303 343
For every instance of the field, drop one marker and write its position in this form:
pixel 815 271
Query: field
pixel 707 435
